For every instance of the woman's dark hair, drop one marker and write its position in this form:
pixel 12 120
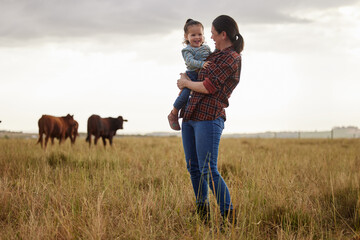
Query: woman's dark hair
pixel 224 23
pixel 190 22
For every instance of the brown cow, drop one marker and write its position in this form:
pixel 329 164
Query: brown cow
pixel 57 127
pixel 73 133
pixel 103 127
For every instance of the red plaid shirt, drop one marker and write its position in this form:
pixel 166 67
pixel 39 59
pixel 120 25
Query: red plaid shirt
pixel 220 78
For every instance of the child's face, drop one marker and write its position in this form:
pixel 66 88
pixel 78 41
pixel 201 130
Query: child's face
pixel 195 35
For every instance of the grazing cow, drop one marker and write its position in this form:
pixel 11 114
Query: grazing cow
pixel 103 127
pixel 57 127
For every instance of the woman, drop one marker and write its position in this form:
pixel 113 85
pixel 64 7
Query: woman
pixel 204 116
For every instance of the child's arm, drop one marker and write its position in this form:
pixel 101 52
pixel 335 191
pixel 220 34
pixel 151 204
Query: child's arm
pixel 189 59
pixel 206 64
pixel 206 52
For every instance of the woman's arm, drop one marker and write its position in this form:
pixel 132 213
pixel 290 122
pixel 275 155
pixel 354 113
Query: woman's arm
pixel 184 81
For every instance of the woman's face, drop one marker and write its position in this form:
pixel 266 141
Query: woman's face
pixel 221 40
pixel 217 37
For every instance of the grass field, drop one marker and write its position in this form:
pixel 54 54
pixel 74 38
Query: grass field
pixel 140 189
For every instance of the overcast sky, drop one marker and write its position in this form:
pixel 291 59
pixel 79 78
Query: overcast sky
pixel 300 62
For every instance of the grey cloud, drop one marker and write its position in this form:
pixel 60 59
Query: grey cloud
pixel 32 19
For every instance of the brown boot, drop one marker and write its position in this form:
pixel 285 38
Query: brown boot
pixel 230 216
pixel 174 121
pixel 203 210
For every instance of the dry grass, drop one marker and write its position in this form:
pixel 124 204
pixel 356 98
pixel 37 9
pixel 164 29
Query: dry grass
pixel 140 189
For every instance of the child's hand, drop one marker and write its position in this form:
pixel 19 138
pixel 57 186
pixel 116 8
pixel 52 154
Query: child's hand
pixel 206 64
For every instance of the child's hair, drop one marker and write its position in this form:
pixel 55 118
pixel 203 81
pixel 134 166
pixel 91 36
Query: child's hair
pixel 190 22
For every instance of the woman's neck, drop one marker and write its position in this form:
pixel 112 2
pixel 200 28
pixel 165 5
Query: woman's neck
pixel 225 45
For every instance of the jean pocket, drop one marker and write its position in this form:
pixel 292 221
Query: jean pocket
pixel 219 122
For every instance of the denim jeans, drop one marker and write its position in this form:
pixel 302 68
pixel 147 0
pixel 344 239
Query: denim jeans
pixel 201 146
pixel 182 99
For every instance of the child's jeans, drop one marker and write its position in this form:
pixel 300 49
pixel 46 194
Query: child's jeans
pixel 182 99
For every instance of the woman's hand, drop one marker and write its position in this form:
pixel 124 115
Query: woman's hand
pixel 183 81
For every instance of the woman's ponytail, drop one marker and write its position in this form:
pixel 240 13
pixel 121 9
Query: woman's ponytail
pixel 238 43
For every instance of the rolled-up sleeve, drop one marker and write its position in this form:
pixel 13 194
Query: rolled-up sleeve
pixel 209 86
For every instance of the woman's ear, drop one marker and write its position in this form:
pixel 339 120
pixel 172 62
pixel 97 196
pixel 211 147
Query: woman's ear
pixel 223 35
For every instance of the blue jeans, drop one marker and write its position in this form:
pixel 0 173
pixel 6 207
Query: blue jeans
pixel 201 146
pixel 182 99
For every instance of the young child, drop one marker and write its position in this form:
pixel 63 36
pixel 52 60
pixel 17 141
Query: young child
pixel 194 55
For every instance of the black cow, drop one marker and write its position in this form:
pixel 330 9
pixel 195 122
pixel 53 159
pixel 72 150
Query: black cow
pixel 103 127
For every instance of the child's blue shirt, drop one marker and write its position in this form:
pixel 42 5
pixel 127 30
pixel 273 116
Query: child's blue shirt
pixel 195 57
